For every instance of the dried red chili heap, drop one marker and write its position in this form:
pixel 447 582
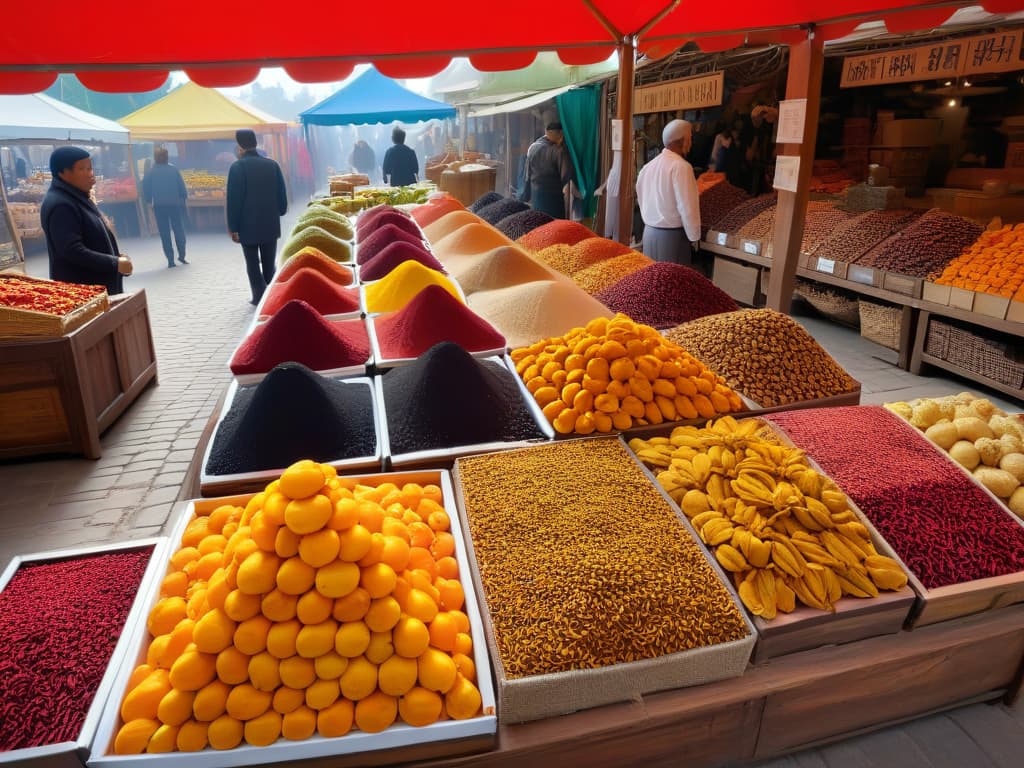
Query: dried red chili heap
pixel 59 623
pixel 944 526
pixel 297 333
pixel 54 298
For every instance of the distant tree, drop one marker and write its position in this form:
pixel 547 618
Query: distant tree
pixel 112 106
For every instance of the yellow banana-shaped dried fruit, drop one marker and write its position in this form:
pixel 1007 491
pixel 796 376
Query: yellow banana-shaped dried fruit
pixel 748 594
pixel 840 549
pixel 743 514
pixel 838 518
pixel 715 489
pixel 715 455
pixel 885 572
pixel 764 583
pixel 701 467
pixel 806 519
pixel 863 545
pixel 715 532
pixel 821 514
pixel 746 427
pixel 785 597
pixel 699 521
pixel 731 558
pixel 835 501
pixel 856 583
pixel 803 591
pixel 728 460
pixel 787 557
pixel 813 552
pixel 694 502
pixel 760 552
pixel 809 483
pixel 658 440
pixel 833 590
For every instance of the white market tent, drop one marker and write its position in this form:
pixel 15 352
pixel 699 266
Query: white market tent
pixel 37 117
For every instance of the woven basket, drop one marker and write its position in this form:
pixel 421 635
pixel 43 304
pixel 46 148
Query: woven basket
pixel 832 304
pixel 880 323
pixel 19 323
pixel 995 359
pixel 936 343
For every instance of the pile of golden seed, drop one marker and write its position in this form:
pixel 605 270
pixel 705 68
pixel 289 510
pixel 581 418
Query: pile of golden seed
pixel 584 563
pixel 765 355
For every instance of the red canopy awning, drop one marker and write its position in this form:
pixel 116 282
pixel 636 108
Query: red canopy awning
pixel 219 45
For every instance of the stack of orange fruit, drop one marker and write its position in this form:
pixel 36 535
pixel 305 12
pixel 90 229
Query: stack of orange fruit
pixel 321 606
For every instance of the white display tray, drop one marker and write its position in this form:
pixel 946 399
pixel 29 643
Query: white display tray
pixel 394 362
pixel 395 737
pixel 214 484
pixel 72 754
pixel 437 457
pixel 333 373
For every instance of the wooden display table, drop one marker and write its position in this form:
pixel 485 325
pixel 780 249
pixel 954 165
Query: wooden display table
pixel 58 394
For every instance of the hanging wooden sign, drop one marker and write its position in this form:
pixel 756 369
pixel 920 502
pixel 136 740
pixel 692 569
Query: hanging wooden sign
pixel 688 93
pixel 981 54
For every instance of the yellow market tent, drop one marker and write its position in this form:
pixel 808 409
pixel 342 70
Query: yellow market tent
pixel 192 112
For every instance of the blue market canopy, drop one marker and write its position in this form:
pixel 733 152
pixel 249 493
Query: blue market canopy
pixel 374 98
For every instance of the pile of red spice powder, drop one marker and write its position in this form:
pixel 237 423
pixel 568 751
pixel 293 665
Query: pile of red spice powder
pixel 311 258
pixel 367 217
pixel 553 233
pixel 59 623
pixel 310 285
pixel 298 333
pixel 664 294
pixel 390 256
pixel 433 316
pixel 380 238
pixel 941 524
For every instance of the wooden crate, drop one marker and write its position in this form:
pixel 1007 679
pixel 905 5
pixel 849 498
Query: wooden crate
pixel 26 323
pixel 58 394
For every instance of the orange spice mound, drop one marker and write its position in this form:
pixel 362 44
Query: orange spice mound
pixel 570 259
pixel 312 258
pixel 435 209
pixel 558 231
pixel 604 274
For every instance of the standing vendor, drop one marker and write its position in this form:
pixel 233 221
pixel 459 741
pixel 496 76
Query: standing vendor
pixel 82 248
pixel 666 191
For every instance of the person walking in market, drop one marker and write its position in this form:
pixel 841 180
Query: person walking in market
pixel 164 189
pixel 400 164
pixel 81 247
pixel 256 200
pixel 548 170
pixel 666 192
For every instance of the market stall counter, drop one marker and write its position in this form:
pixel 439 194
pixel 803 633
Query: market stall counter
pixel 59 392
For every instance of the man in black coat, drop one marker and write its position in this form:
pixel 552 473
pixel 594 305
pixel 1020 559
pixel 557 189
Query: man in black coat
pixel 256 200
pixel 82 248
pixel 400 164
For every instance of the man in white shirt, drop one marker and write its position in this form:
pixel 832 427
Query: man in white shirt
pixel 666 191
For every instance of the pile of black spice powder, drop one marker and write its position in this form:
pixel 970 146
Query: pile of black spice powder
pixel 447 398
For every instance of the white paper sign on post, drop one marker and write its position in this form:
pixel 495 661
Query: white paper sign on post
pixel 617 134
pixel 787 168
pixel 792 114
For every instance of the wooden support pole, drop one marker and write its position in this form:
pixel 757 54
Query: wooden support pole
pixel 624 112
pixel 806 62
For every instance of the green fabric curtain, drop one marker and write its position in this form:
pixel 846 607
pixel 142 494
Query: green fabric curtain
pixel 579 109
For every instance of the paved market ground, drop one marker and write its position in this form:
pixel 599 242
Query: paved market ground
pixel 199 312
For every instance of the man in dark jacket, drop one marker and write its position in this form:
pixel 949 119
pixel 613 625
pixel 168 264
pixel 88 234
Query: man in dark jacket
pixel 256 200
pixel 548 170
pixel 82 248
pixel 400 164
pixel 164 189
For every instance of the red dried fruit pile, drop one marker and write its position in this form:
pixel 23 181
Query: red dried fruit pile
pixel 390 256
pixel 310 258
pixel 716 201
pixel 553 233
pixel 380 238
pixel 59 623
pixel 52 297
pixel 297 333
pixel 663 295
pixel 433 316
pixel 860 234
pixel 734 220
pixel 925 246
pixel 312 287
pixel 944 527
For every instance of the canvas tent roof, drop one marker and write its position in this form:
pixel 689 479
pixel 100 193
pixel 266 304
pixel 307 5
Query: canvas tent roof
pixel 374 98
pixel 193 112
pixel 419 42
pixel 37 116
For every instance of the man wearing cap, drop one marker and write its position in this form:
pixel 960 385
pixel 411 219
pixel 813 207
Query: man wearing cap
pixel 81 247
pixel 256 200
pixel 666 191
pixel 548 169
